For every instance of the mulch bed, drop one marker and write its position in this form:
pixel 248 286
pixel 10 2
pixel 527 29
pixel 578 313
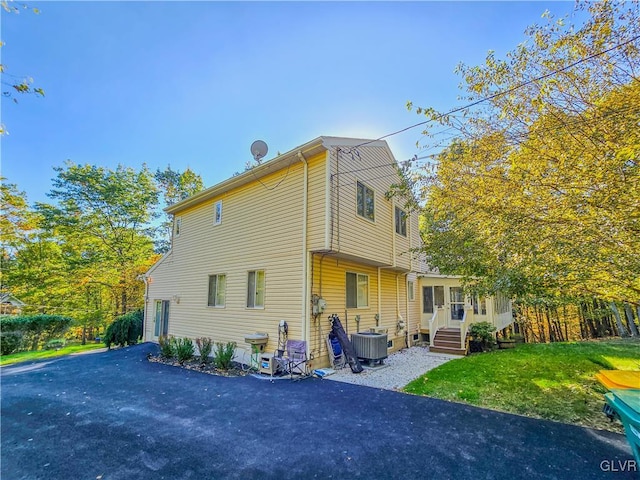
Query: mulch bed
pixel 235 371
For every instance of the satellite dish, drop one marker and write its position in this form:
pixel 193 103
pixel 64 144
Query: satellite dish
pixel 259 149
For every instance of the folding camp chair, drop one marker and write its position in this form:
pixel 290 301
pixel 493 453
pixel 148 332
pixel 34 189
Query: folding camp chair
pixel 336 355
pixel 293 360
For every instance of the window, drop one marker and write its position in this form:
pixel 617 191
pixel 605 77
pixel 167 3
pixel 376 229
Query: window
pixel 218 213
pixel 501 303
pixel 178 226
pixel 432 297
pixel 365 200
pixel 255 289
pixel 357 290
pixel 401 222
pixel 217 290
pixel 410 294
pixel 479 305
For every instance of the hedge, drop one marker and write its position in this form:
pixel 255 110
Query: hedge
pixel 23 332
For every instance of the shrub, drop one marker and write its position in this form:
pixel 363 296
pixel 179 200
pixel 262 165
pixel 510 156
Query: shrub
pixel 205 345
pixel 10 342
pixel 125 330
pixel 22 332
pixel 184 349
pixel 167 346
pixel 482 332
pixel 55 344
pixel 223 355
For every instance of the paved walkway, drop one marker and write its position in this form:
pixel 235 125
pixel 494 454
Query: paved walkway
pixel 115 415
pixel 396 371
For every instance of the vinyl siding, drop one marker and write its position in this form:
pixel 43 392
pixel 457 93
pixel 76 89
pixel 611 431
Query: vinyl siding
pixel 353 235
pixel 317 202
pixel 329 282
pixel 261 230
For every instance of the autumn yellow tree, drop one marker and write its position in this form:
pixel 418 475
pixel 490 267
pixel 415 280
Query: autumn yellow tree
pixel 539 191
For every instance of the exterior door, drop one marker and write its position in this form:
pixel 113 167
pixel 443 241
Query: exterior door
pixel 161 328
pixel 456 306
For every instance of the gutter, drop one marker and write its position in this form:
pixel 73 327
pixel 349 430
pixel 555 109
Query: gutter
pixel 314 146
pixel 306 333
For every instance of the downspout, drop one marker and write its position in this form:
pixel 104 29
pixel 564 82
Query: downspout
pixel 398 316
pixel 145 279
pixel 328 227
pixel 407 322
pixel 379 297
pixel 306 331
pixel 393 234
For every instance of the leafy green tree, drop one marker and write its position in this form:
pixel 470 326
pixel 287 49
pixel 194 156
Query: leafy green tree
pixel 13 84
pixel 175 186
pixel 538 193
pixel 103 221
pixel 31 260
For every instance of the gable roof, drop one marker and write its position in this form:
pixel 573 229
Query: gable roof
pixel 313 147
pixel 10 299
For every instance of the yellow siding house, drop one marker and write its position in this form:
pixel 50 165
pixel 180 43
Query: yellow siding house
pixel 311 227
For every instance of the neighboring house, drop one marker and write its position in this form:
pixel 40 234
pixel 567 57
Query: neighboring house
pixel 10 305
pixel 311 228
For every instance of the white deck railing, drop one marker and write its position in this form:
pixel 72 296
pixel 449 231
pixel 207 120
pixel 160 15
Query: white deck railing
pixel 464 326
pixel 436 323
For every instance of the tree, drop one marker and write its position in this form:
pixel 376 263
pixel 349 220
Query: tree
pixel 538 194
pixel 13 84
pixel 103 222
pixel 175 186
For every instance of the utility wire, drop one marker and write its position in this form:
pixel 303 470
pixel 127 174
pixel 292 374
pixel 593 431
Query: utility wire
pixel 501 93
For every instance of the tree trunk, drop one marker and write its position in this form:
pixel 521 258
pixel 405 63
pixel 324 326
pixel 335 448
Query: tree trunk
pixel 552 335
pixel 630 321
pixel 621 330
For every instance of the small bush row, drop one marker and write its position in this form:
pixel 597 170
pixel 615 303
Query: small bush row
pixel 27 332
pixel 183 350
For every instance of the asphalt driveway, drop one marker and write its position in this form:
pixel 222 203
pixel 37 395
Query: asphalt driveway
pixel 114 415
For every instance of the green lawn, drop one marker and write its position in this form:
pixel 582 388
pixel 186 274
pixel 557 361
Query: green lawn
pixel 43 354
pixel 552 381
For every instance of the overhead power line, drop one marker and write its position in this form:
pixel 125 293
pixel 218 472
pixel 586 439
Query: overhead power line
pixel 501 93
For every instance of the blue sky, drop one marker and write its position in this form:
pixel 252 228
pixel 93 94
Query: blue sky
pixel 192 84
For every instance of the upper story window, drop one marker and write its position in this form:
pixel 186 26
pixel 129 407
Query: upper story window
pixel 357 290
pixel 255 289
pixel 401 222
pixel 217 219
pixel 178 226
pixel 217 290
pixel 365 201
pixel 410 293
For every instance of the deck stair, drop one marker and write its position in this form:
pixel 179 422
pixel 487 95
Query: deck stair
pixel 447 340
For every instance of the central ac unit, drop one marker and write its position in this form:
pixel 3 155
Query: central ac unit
pixel 369 346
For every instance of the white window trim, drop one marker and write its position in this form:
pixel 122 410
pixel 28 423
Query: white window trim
pixel 364 217
pixel 177 226
pixel 411 290
pixel 395 221
pixel 217 275
pixel 217 220
pixel 255 291
pixel 358 275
